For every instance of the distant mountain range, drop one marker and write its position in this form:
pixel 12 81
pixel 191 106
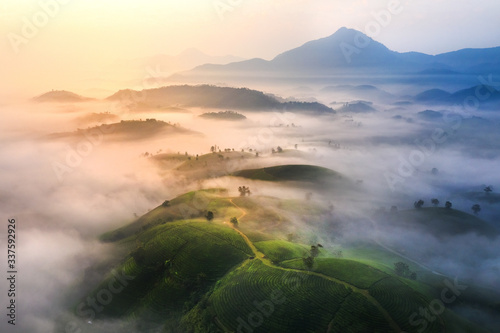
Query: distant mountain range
pixel 163 64
pixel 348 52
pixel 175 98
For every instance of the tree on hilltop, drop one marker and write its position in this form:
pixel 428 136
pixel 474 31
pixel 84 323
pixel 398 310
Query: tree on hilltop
pixel 418 204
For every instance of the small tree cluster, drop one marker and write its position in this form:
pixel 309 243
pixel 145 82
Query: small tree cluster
pixel 234 221
pixel 308 262
pixel 313 253
pixel 402 269
pixel 418 204
pixel 277 150
pixel 209 216
pixel 244 190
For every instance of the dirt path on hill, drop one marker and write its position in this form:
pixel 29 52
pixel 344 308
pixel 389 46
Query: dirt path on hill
pixel 260 256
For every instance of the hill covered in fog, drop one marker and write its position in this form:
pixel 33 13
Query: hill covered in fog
pixel 209 96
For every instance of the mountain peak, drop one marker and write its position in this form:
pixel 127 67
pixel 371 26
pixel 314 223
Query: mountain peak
pixel 192 52
pixel 345 48
pixel 344 31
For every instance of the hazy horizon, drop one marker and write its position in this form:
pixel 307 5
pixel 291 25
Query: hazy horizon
pixel 387 157
pixel 45 42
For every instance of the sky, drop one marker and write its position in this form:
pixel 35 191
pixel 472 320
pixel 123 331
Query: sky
pixel 50 40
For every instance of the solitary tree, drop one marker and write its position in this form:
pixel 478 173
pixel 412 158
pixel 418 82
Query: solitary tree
pixel 402 269
pixel 448 205
pixel 435 202
pixel 314 251
pixel 234 221
pixel 308 262
pixel 166 203
pixel 209 216
pixel 476 208
pixel 244 190
pixel 418 204
pixel 139 255
pixel 279 149
pixel 488 189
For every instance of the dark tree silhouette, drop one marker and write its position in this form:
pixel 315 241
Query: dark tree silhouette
pixel 244 190
pixel 279 149
pixel 308 262
pixel 139 255
pixel 314 251
pixel 448 205
pixel 418 204
pixel 166 203
pixel 435 202
pixel 209 216
pixel 476 208
pixel 402 269
pixel 488 189
pixel 234 221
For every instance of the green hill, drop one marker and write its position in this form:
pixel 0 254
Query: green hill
pixel 304 173
pixel 491 198
pixel 443 222
pixel 209 96
pixel 183 271
pixel 127 130
pixel 223 115
pixel 61 96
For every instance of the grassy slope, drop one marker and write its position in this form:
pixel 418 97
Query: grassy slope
pixel 442 221
pixel 307 173
pixel 187 206
pixel 356 273
pixel 280 250
pixel 307 303
pixel 185 261
pixel 180 259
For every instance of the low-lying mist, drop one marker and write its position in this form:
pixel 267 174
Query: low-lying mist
pixel 65 192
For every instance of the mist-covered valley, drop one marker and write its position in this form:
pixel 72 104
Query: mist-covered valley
pixel 294 176
pixel 75 170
